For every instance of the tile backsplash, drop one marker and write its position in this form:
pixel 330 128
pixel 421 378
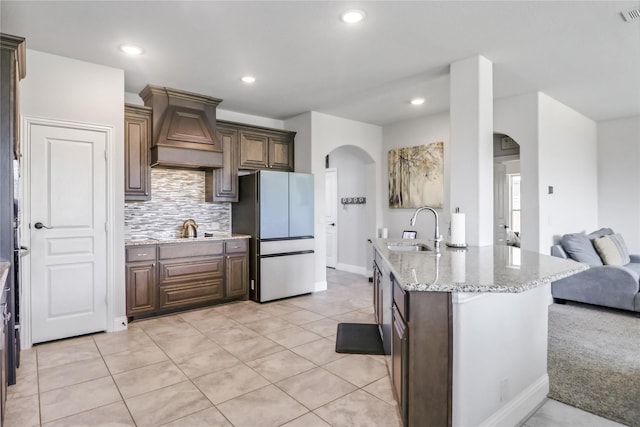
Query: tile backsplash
pixel 176 195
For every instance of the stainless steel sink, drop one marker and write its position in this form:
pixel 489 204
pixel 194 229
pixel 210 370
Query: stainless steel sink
pixel 409 247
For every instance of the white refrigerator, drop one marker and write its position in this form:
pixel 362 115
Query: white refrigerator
pixel 276 209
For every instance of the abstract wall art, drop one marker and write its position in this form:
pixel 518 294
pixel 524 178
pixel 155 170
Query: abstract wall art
pixel 416 176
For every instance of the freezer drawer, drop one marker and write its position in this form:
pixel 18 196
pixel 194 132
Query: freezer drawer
pixel 287 275
pixel 283 246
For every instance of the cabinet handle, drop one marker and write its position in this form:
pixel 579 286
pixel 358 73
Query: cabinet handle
pixel 142 254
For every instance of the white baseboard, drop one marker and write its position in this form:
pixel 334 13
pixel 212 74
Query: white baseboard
pixel 320 286
pixel 521 406
pixel 119 324
pixel 352 268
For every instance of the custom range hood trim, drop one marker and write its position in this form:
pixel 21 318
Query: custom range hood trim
pixel 183 129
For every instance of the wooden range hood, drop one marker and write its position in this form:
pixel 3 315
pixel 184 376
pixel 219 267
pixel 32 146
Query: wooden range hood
pixel 183 128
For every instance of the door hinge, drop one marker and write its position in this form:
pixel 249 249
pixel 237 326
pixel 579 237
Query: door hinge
pixel 106 227
pixel 105 155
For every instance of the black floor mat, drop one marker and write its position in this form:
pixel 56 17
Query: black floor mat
pixel 358 338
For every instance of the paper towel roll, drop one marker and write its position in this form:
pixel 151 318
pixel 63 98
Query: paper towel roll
pixel 457 229
pixel 384 233
pixel 458 266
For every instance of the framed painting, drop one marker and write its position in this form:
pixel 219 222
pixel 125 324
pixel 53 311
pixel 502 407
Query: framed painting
pixel 416 176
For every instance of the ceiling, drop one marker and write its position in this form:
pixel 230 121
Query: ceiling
pixel 582 53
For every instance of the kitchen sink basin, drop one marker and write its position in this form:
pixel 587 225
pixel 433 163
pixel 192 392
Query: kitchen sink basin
pixel 409 247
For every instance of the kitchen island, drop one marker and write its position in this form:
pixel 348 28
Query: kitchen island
pixel 465 330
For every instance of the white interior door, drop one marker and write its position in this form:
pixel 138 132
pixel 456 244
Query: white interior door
pixel 69 258
pixel 500 204
pixel 331 215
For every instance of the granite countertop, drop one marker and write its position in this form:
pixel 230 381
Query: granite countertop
pixel 147 240
pixel 476 269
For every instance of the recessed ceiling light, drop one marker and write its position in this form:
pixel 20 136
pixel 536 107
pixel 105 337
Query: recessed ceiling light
pixel 248 79
pixel 352 16
pixel 131 49
pixel 417 101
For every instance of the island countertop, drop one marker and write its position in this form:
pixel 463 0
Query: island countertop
pixel 502 269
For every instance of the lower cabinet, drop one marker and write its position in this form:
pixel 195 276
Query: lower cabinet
pixel 171 277
pixel 141 280
pixel 400 362
pixel 421 356
pixel 237 275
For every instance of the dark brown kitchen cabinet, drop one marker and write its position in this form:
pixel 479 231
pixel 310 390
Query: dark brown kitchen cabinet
pixel 422 352
pixel 281 153
pixel 190 274
pixel 263 148
pixel 141 280
pixel 237 268
pixel 400 362
pixel 221 184
pixel 137 136
pixel 186 275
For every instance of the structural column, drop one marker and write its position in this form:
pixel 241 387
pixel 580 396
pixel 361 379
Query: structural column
pixel 471 146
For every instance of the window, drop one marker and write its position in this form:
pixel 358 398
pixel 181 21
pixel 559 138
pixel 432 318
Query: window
pixel 514 202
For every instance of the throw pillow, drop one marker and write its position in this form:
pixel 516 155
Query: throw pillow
pixel 612 250
pixel 579 247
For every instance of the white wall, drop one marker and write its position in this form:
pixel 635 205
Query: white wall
pixel 619 178
pixel 326 134
pixel 71 90
pixel 355 222
pixel 568 161
pixel 410 133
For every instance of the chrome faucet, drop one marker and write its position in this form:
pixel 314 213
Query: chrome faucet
pixel 189 224
pixel 437 237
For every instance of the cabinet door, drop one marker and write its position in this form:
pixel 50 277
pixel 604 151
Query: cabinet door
pixel 400 363
pixel 137 134
pixel 376 293
pixel 254 150
pixel 141 288
pixel 281 153
pixel 237 275
pixel 222 183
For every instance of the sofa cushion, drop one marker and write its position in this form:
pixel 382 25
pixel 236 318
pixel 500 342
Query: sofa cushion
pixel 612 249
pixel 599 233
pixel 579 247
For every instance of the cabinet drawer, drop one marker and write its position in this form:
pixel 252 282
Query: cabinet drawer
pixel 400 298
pixel 176 296
pixel 190 270
pixel 141 253
pixel 236 245
pixel 183 250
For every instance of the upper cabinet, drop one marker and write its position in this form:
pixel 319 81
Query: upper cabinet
pixel 263 148
pixel 137 134
pixel 246 147
pixel 221 185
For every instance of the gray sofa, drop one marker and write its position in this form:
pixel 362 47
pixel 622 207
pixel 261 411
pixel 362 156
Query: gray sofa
pixel 606 285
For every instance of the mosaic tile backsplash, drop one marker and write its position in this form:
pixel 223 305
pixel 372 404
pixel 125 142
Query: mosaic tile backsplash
pixel 176 195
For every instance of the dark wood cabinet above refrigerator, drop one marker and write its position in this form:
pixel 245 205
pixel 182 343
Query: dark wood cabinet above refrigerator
pixel 247 147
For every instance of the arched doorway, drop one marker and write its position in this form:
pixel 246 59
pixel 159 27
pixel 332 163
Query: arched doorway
pixel 506 194
pixel 354 199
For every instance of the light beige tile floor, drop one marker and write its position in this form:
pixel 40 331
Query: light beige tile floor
pixel 240 364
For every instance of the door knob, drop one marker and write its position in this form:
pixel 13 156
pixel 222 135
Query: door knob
pixel 333 224
pixel 38 225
